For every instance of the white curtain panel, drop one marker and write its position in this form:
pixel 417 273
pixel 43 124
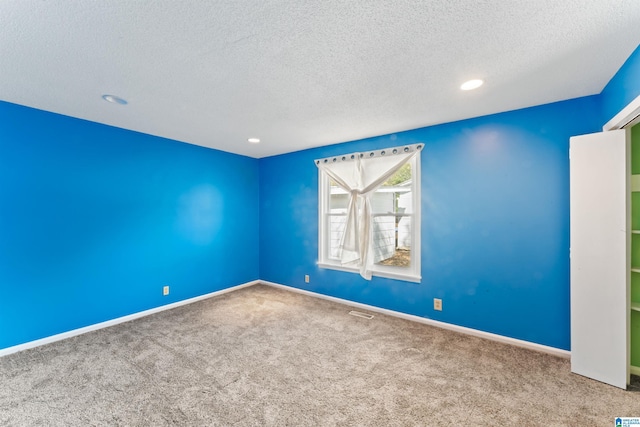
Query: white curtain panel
pixel 360 174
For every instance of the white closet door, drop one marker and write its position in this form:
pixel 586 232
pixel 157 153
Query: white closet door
pixel 599 257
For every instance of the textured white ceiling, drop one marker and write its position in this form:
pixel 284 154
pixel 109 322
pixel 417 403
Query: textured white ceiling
pixel 301 74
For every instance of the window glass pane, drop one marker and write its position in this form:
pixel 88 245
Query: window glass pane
pixel 336 228
pixel 338 198
pixel 400 177
pixel 392 240
pixel 394 196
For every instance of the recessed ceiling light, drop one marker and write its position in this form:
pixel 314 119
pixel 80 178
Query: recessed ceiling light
pixel 254 140
pixel 471 84
pixel 114 99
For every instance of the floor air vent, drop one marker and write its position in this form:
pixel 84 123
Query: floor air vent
pixel 363 315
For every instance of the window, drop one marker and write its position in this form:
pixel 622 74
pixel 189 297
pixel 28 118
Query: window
pixel 369 213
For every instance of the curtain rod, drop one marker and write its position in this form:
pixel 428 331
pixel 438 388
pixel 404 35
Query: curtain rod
pixel 374 153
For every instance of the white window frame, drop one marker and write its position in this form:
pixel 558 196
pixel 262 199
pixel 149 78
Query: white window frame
pixel 409 274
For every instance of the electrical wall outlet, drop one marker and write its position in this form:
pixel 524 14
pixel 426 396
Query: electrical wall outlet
pixel 306 278
pixel 165 290
pixel 437 304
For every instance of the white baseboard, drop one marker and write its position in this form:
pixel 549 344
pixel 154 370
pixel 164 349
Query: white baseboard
pixel 469 331
pixel 635 370
pixel 90 328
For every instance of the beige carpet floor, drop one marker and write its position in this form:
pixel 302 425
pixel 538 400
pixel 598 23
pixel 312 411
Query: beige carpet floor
pixel 262 356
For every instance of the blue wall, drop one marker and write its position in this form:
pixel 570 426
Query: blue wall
pixel 94 220
pixel 623 88
pixel 495 225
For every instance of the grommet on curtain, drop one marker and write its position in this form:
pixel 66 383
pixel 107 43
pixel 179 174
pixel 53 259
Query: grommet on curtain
pixel 408 149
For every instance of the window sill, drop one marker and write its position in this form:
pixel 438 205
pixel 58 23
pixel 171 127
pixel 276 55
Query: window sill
pixel 378 273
